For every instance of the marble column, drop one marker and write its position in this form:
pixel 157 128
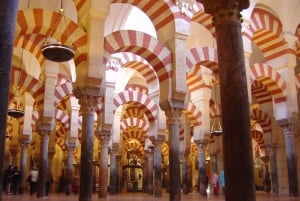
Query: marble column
pixel 24 148
pixel 202 167
pixel 113 169
pixel 157 165
pixel 43 168
pixel 238 158
pixel 271 148
pixel 184 173
pixel 88 105
pixel 8 14
pixel 150 172
pixel 288 126
pixel 68 170
pixel 104 138
pixel 173 120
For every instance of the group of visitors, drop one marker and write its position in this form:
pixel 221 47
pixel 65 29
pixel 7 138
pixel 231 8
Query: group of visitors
pixel 12 180
pixel 217 181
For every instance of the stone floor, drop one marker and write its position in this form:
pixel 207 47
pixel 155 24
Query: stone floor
pixel 260 196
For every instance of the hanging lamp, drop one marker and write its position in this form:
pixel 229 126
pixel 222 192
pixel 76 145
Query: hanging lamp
pixel 216 126
pixel 57 51
pixel 16 108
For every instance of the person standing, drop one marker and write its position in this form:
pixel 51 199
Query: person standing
pixel 222 181
pixel 33 179
pixel 15 180
pixel 7 179
pixel 215 182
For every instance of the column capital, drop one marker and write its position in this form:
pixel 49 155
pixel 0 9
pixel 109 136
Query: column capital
pixel 87 99
pixel 158 141
pixel 288 126
pixel 201 145
pixel 104 138
pixel 215 7
pixel 173 115
pixel 44 133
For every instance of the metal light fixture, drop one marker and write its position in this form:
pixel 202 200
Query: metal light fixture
pixel 216 127
pixel 57 51
pixel 16 108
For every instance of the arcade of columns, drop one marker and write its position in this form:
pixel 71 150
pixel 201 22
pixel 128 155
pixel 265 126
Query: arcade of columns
pixel 90 89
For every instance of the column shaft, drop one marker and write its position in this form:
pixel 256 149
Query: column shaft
pixel 157 170
pixel 68 171
pixel 237 142
pixel 24 147
pixel 202 170
pixel 291 164
pixel 113 174
pixel 43 169
pixel 273 169
pixel 150 172
pixel 184 174
pixel 86 158
pixel 8 13
pixel 173 116
pixel 103 164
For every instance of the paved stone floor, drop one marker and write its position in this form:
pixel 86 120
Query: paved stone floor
pixel 260 196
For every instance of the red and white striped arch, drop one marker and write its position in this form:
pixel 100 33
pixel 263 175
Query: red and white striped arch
pixel 144 45
pixel 134 122
pixel 60 141
pixel 43 23
pixel 139 64
pixel 158 11
pixel 137 87
pixel 193 113
pixel 260 92
pixel 263 120
pixel 195 79
pixel 267 29
pixel 258 137
pixel 138 147
pixel 134 133
pixel 35 118
pixel 62 91
pixel 63 117
pixel 272 80
pixel 205 56
pixel 201 17
pixel 25 81
pixel 33 44
pixel 151 110
pixel 133 110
